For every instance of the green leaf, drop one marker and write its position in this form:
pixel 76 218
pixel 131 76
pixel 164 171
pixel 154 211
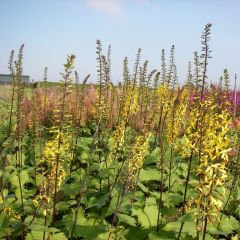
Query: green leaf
pixel 188 227
pixel 71 189
pixel 169 211
pixel 24 178
pixel 153 157
pixel 37 221
pixel 62 206
pixel 172 226
pixel 189 216
pixel 5 228
pixel 90 232
pixel 228 225
pixel 161 235
pixel 104 173
pixel 68 220
pixel 127 219
pixel 171 199
pixel 137 233
pixel 34 235
pixel 101 200
pixel 124 207
pixel 40 228
pixel 4 220
pixel 38 235
pixel 142 217
pixel 143 188
pixel 147 217
pixel 149 175
pixel 58 236
pixel 103 236
pixel 207 237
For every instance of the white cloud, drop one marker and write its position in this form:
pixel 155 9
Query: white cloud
pixel 114 8
pixel 110 7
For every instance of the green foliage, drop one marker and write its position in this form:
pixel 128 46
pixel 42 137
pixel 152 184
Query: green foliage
pixel 76 163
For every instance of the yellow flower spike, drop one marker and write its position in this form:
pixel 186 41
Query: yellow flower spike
pixel 35 202
pixel 137 156
pixel 210 144
pixel 7 210
pixel 45 212
pixel 17 217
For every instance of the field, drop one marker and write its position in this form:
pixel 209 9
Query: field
pixel 146 159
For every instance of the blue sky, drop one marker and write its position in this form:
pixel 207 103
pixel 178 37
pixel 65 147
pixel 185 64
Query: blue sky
pixel 51 29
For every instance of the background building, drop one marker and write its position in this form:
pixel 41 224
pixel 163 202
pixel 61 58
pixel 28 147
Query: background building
pixel 7 79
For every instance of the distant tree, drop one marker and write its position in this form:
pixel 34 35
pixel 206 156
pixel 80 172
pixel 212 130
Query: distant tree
pixel 226 79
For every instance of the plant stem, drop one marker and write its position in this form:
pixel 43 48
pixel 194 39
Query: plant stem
pixel 185 191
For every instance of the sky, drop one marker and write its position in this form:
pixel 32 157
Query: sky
pixel 52 29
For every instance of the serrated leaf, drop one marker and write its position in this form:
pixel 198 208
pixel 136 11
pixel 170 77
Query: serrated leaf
pixel 38 235
pixel 124 207
pixel 68 220
pixel 90 232
pixel 152 157
pixel 143 188
pixel 171 199
pixel 169 211
pixel 34 235
pixel 71 189
pixel 207 237
pixel 162 235
pixel 101 201
pixel 149 175
pixel 228 225
pixel 147 217
pixel 4 220
pixel 58 236
pixel 36 221
pixel 142 217
pixel 188 227
pixel 104 173
pixel 172 226
pixel 24 178
pixel 137 233
pixel 61 206
pixel 127 219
